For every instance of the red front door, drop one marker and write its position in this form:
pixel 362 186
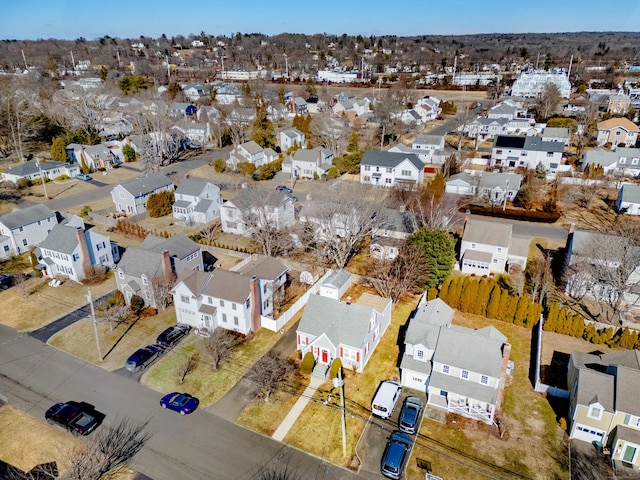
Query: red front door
pixel 325 356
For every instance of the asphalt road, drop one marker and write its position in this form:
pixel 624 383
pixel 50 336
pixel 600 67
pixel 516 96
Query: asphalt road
pixel 34 375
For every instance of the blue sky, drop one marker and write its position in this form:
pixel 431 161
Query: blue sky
pixel 70 19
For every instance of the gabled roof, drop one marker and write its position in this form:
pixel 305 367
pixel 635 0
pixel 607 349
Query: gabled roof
pixel 612 123
pixel 529 143
pixel 146 184
pixel 502 180
pixel 424 327
pixel 179 246
pixel 556 132
pixel 136 262
pixel 337 279
pixel 396 221
pixel 192 186
pixel 251 147
pixel 29 168
pixel 292 133
pixel 25 216
pixel 428 139
pixel 61 239
pixel 390 159
pixel 600 157
pixel 630 193
pixel 462 178
pixel 232 286
pixel 340 322
pixel 266 268
pixel 490 233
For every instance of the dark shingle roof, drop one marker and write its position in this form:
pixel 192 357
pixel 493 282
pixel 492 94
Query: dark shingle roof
pixel 390 159
pixel 25 216
pixel 146 184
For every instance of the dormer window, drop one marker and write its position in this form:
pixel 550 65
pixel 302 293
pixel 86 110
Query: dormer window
pixel 595 411
pixel 120 274
pixel 145 280
pixel 445 369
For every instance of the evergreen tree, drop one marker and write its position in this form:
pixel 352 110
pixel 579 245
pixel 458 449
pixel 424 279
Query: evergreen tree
pixel 577 326
pixel 479 305
pixel 522 310
pixel 495 297
pixel 281 93
pixel 533 313
pixel 469 295
pixel 589 332
pixel 438 247
pixel 59 150
pixel 129 153
pixel 352 146
pixel 262 129
pixel 562 321
pixel 444 290
pixel 551 322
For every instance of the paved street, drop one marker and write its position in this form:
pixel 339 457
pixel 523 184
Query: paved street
pixel 34 375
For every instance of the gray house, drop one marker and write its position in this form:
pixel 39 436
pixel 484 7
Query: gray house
pixel 629 199
pixel 157 261
pixel 462 370
pixel 25 227
pixel 197 201
pixel 496 186
pixel 131 197
pixel 32 171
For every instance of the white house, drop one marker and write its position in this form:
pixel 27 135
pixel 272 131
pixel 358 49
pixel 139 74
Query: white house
pixel 391 169
pixel 289 137
pixel 532 84
pixel 526 151
pixel 32 171
pixel 462 184
pixel 25 227
pixel 629 199
pixel 496 186
pixel 251 152
pixel 72 252
pixel 197 200
pixel 250 210
pixel 461 370
pixel 131 197
pixel 625 161
pixel 426 145
pixel 311 163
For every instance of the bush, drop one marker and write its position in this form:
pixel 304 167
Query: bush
pixel 136 304
pixel 306 366
pixel 23 183
pixel 118 298
pixel 129 153
pixel 62 178
pixel 85 211
pixel 38 181
pixel 160 204
pixel 219 165
pixel 336 365
pixel 148 312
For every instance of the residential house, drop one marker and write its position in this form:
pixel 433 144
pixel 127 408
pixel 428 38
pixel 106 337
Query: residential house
pixel 289 137
pixel 425 146
pixel 197 201
pixel 577 103
pixel 311 163
pixel 428 108
pixel 194 91
pixel 391 169
pixel 147 270
pixel 619 104
pixel 297 106
pixel 227 299
pixel 498 187
pixel 490 247
pixel 25 227
pixel 131 197
pixel 336 284
pixel 32 170
pixel 603 404
pixel 249 210
pixel 462 371
pixel 350 331
pixel 93 157
pixel 484 128
pixel 390 232
pixel 553 134
pixel 508 110
pixel 531 84
pixel 617 131
pixel 185 111
pixel 526 151
pixel 251 152
pixel 462 184
pixel 195 132
pixel 72 252
pixel 628 199
pixel 623 161
pixel 360 106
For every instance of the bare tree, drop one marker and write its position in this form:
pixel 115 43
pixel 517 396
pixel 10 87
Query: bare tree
pixel 108 449
pixel 237 120
pixel 220 345
pixel 385 112
pixel 212 230
pixel 548 101
pixel 20 282
pixel 187 366
pixel 584 135
pixel 332 132
pixel 540 278
pixel 161 286
pixel 516 279
pixel 110 311
pixel 267 373
pixel 407 273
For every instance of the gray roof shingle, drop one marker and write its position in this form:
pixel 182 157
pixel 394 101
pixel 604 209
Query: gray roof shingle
pixel 25 216
pixel 146 184
pixel 390 159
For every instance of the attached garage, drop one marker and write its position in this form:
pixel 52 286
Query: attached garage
pixel 587 434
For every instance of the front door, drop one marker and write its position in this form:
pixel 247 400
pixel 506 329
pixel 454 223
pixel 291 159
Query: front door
pixel 325 356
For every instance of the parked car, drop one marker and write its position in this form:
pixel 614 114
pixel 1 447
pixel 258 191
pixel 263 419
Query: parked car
pixel 293 198
pixel 173 335
pixel 410 415
pixel 143 357
pixel 395 455
pixel 83 176
pixel 284 188
pixel 386 398
pixel 182 403
pixel 80 418
pixel 6 281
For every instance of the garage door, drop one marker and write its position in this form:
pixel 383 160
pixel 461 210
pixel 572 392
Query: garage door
pixel 587 434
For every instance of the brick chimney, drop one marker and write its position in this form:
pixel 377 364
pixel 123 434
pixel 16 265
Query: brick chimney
pixel 255 304
pixel 166 265
pixel 319 157
pixel 85 257
pixel 506 352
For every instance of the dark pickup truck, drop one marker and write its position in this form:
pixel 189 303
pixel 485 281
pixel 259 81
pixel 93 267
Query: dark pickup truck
pixel 80 418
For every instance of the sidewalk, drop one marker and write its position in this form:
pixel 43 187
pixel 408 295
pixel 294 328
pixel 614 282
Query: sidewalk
pixel 297 409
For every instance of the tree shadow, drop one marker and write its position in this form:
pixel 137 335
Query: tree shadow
pixel 120 338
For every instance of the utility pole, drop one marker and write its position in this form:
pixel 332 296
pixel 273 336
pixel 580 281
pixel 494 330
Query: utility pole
pixel 42 179
pixel 95 323
pixel 339 383
pixel 26 66
pixel 504 205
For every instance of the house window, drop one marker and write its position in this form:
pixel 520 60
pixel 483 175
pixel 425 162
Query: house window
pixel 622 160
pixel 367 168
pixel 264 288
pixel 224 317
pixel 445 369
pixel 420 354
pixel 145 280
pixel 6 248
pixel 184 298
pixel 235 321
pixel 248 303
pixel 367 178
pixel 234 306
pixel 121 195
pixel 473 246
pixel 20 229
pixel 499 249
pixel 388 180
pixel 629 454
pixel 484 379
pixel 222 303
pixel 618 133
pixel 595 412
pixel 549 154
pixel 495 260
pixel 120 274
pixel 406 173
pixel 24 242
pixel 498 152
pixel 634 161
pixel 464 374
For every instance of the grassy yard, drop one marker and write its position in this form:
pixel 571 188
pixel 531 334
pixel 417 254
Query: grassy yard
pixel 26 442
pixel 43 304
pixel 533 444
pixel 205 383
pixel 79 339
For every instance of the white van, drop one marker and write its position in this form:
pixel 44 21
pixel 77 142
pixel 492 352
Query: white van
pixel 386 398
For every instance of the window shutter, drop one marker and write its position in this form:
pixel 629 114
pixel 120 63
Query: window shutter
pixel 357 356
pixel 341 352
pixel 299 339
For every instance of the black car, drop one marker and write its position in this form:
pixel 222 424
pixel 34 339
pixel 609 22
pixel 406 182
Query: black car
pixel 173 335
pixel 143 357
pixel 395 455
pixel 6 281
pixel 284 188
pixel 410 415
pixel 80 418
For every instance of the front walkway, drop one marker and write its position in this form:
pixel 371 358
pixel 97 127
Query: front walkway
pixel 297 409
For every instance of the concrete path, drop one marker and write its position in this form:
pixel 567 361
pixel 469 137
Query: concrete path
pixel 297 409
